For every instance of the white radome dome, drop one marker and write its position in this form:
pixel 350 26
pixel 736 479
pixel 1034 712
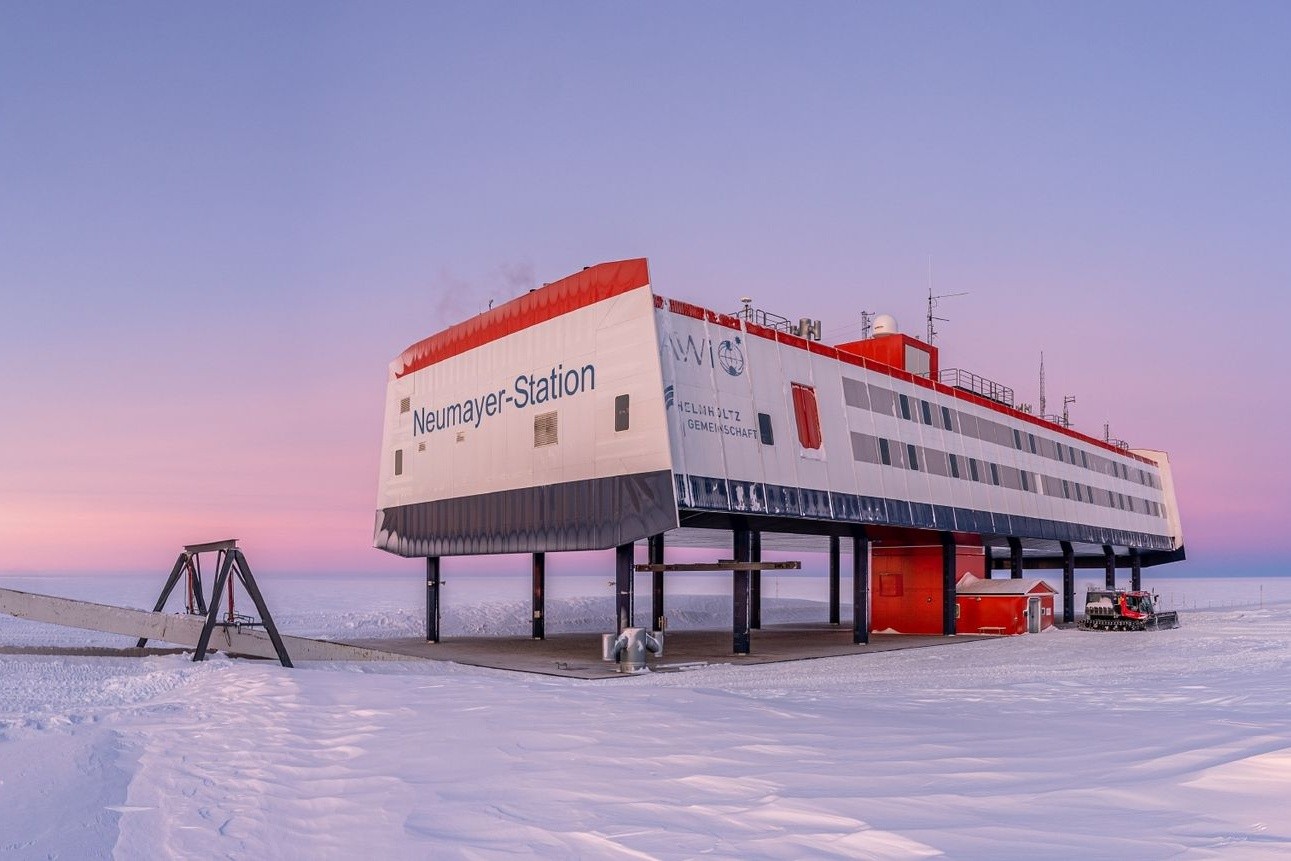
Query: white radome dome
pixel 885 324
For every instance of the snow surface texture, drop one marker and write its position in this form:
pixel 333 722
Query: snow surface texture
pixel 1173 744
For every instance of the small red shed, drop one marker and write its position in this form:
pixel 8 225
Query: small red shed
pixel 1003 606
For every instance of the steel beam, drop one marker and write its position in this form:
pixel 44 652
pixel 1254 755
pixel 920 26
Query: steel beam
pixel 948 604
pixel 1109 566
pixel 834 565
pixel 432 599
pixel 181 564
pixel 213 612
pixel 243 570
pixel 989 560
pixel 539 588
pixel 755 583
pixel 654 550
pixel 1068 583
pixel 860 589
pixel 624 587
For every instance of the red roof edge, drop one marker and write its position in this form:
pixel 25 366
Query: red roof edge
pixel 593 284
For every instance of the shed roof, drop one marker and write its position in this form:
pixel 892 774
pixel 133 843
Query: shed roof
pixel 971 584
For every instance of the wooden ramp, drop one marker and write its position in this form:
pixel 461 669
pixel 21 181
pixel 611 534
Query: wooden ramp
pixel 180 629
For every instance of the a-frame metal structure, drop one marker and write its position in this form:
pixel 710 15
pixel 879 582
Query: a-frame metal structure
pixel 229 563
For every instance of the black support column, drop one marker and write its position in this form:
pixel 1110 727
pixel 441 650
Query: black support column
pixel 654 547
pixel 623 586
pixel 860 589
pixel 948 605
pixel 755 584
pixel 1109 566
pixel 741 597
pixel 539 587
pixel 1068 582
pixel 989 560
pixel 1136 570
pixel 1015 558
pixel 834 565
pixel 432 599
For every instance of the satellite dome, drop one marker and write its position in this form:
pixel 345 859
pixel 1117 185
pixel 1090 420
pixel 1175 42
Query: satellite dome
pixel 885 324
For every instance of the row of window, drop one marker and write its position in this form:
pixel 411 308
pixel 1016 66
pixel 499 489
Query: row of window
pixel 886 452
pixel 887 402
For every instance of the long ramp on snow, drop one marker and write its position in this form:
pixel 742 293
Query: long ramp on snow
pixel 179 629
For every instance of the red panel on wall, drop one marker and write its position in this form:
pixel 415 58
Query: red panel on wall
pixel 807 412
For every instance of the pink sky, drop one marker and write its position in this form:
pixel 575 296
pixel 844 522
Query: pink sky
pixel 218 229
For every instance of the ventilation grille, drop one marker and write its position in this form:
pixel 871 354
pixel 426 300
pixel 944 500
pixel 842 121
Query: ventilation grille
pixel 405 405
pixel 421 446
pixel 544 430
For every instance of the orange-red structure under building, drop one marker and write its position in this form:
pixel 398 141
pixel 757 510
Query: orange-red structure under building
pixel 1003 606
pixel 906 586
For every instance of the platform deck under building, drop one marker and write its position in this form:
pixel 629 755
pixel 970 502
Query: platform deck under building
pixel 579 655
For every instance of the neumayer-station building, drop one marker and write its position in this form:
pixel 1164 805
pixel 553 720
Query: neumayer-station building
pixel 593 413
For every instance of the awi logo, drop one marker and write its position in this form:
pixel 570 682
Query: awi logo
pixel 726 354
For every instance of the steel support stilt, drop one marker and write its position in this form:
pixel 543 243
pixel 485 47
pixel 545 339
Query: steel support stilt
pixel 539 587
pixel 755 583
pixel 654 550
pixel 835 562
pixel 623 586
pixel 741 597
pixel 1136 569
pixel 1068 582
pixel 1015 558
pixel 1109 566
pixel 432 599
pixel 989 561
pixel 948 605
pixel 860 589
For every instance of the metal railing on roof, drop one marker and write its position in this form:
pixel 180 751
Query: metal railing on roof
pixel 764 318
pixel 970 382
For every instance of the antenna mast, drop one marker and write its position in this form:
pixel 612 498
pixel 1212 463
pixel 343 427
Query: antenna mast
pixel 867 325
pixel 1043 411
pixel 932 303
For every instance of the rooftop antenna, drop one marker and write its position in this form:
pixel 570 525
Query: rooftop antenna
pixel 747 313
pixel 932 303
pixel 1067 400
pixel 1043 410
pixel 867 325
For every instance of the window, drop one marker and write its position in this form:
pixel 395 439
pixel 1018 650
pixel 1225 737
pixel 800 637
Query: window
pixel 945 418
pixel 1025 484
pixel 807 413
pixel 954 465
pixel 912 457
pixel 1084 461
pixel 1080 496
pixel 926 409
pixel 1066 489
pixel 764 429
pixel 398 461
pixel 905 407
pixel 995 474
pixel 972 469
pixel 1031 442
pixel 1017 439
pixel 884 454
pixel 620 413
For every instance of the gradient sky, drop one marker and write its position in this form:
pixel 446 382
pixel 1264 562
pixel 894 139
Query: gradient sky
pixel 219 222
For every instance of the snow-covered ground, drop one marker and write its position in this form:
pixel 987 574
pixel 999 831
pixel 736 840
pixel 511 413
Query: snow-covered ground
pixel 1174 744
